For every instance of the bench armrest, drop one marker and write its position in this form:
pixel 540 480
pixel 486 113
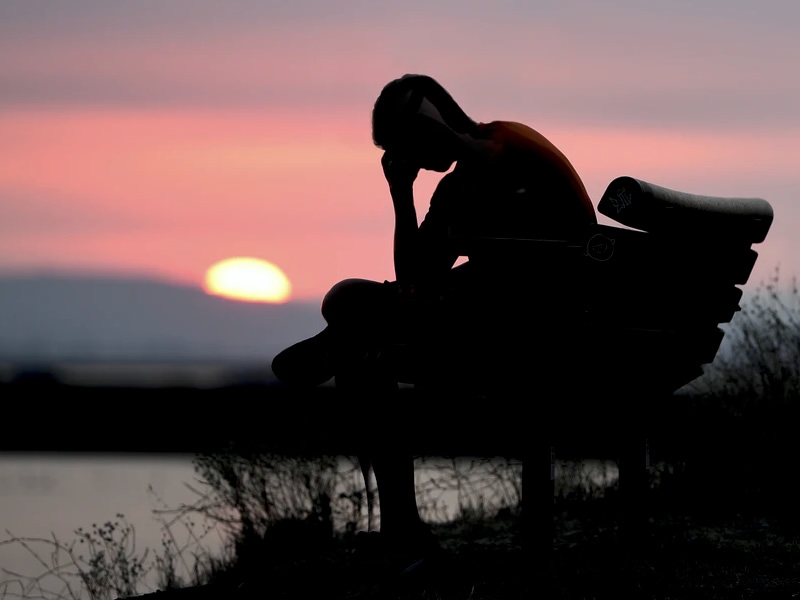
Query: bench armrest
pixel 659 210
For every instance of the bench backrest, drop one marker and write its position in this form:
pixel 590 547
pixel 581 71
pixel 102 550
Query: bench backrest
pixel 659 210
pixel 646 302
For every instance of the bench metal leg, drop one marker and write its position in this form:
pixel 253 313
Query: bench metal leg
pixel 634 485
pixel 538 530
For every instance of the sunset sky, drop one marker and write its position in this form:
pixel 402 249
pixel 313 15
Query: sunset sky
pixel 157 138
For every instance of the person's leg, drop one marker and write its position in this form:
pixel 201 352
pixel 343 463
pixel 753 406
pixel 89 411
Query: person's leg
pixel 403 536
pixel 373 390
pixel 307 363
pixel 350 308
pixel 362 315
pixel 354 301
pixel 402 529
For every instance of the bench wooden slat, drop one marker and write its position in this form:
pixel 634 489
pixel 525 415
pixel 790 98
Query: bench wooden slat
pixel 605 253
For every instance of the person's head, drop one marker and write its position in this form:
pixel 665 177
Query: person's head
pixel 416 119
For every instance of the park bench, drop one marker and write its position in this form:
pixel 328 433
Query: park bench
pixel 599 329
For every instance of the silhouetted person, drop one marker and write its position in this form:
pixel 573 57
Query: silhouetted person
pixel 508 181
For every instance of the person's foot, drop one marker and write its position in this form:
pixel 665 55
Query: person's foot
pixel 305 364
pixel 402 563
pixel 410 547
pixel 400 549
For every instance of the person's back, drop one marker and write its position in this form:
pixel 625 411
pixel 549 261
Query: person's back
pixel 526 187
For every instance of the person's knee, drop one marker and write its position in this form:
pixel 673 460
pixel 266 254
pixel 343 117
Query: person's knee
pixel 345 298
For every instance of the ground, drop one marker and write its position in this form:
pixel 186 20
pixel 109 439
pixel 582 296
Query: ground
pixel 677 556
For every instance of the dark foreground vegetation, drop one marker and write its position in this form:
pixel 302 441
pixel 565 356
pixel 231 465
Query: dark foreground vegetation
pixel 699 542
pixel 721 516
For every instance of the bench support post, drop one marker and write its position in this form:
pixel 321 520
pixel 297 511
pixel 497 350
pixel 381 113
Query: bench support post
pixel 634 485
pixel 538 529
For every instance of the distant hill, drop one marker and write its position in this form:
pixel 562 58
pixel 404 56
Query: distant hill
pixel 92 318
pixel 46 319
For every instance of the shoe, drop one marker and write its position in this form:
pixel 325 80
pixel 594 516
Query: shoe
pixel 403 551
pixel 305 364
pixel 409 549
pixel 402 566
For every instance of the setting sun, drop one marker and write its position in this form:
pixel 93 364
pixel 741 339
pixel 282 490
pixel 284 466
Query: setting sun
pixel 248 279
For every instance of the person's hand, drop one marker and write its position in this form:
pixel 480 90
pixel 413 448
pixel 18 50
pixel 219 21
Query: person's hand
pixel 399 174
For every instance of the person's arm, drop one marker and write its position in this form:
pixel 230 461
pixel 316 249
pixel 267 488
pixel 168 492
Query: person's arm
pixel 400 177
